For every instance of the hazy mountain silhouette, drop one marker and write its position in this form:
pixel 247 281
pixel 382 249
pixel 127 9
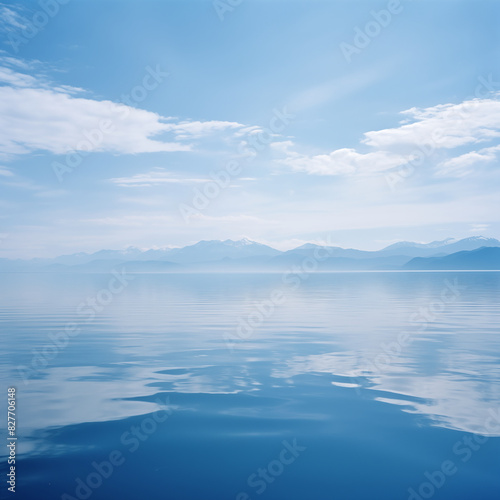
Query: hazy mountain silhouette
pixel 435 248
pixel 247 255
pixel 485 258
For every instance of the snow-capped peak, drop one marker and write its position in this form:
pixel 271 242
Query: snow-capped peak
pixel 240 243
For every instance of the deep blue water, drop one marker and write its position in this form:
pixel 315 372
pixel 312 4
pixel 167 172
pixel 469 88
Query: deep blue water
pixel 158 394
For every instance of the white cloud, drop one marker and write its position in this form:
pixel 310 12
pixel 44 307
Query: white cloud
pixel 35 115
pixel 282 146
pixel 462 165
pixel 17 63
pixel 5 172
pixel 10 19
pixel 161 220
pixel 232 218
pixel 133 220
pixel 248 130
pixel 443 126
pixel 479 228
pixel 39 119
pixel 11 77
pixel 343 162
pixel 198 129
pixel 153 178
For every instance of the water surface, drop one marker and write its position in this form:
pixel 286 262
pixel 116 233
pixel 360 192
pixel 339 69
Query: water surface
pixel 217 386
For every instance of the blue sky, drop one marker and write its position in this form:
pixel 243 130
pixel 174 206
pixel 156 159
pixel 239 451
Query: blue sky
pixel 363 123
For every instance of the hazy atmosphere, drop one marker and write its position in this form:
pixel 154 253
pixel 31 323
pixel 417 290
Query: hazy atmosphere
pixel 368 122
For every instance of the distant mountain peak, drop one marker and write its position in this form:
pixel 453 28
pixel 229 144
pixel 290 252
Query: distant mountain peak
pixel 478 238
pixel 312 246
pixel 240 243
pixel 307 246
pixel 440 243
pixel 232 243
pixel 413 244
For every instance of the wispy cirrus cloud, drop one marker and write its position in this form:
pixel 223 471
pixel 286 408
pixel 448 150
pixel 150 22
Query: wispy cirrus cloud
pixel 11 18
pixel 197 129
pixel 13 78
pixel 14 181
pixel 479 228
pixel 161 219
pixel 237 218
pixel 154 178
pixel 5 172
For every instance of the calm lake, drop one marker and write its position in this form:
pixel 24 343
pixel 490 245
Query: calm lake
pixel 242 386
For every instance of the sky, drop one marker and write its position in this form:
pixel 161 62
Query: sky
pixel 162 123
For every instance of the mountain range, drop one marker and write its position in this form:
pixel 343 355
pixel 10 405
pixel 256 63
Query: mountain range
pixel 477 252
pixel 484 258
